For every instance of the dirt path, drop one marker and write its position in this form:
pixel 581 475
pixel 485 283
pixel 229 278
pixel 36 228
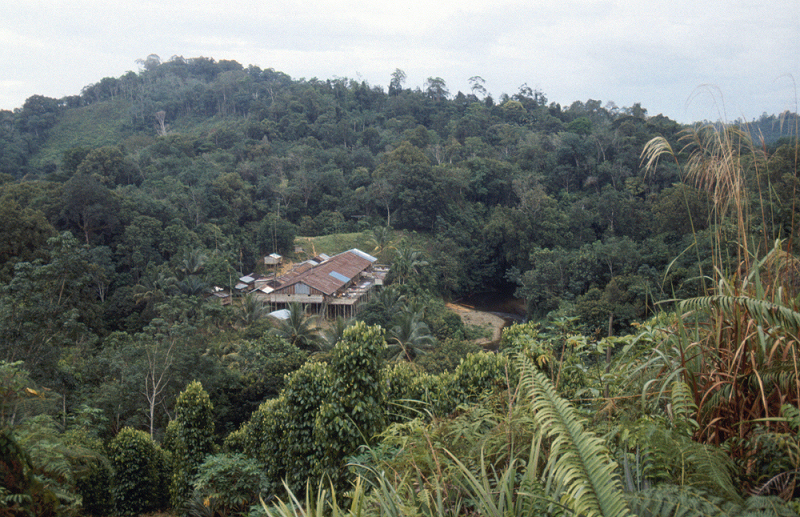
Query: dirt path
pixel 470 316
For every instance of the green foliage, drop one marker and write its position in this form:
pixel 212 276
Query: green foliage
pixel 23 237
pixel 579 472
pixel 46 307
pixel 304 393
pixel 229 483
pixel 191 440
pixel 353 413
pixel 263 438
pixel 406 265
pixel 137 477
pixel 60 460
pixel 447 355
pixel 21 493
pixel 690 502
pixel 524 338
pixel 299 329
pixel 519 191
pixel 94 488
pixel 262 365
pixel 409 392
pixel 475 377
pixel 16 392
pixel 666 454
pixel 409 337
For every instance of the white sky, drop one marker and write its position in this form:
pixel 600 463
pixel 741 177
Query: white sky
pixel 687 59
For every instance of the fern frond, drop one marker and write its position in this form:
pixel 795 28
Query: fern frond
pixel 763 311
pixel 579 468
pixel 792 415
pixel 684 409
pixel 766 506
pixel 674 501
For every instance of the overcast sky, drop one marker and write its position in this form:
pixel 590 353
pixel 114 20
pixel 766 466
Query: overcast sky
pixel 689 60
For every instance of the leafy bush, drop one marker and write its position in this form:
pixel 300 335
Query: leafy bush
pixel 192 439
pixel 354 411
pixel 137 477
pixel 477 375
pixel 262 439
pixel 447 355
pixel 230 483
pixel 95 490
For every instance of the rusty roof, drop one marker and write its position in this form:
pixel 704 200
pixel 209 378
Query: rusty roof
pixel 333 274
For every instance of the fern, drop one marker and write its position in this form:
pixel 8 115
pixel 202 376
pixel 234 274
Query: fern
pixel 684 409
pixel 765 312
pixel 762 506
pixel 673 501
pixel 579 469
pixel 792 415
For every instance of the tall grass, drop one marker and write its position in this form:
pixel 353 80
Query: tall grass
pixel 737 346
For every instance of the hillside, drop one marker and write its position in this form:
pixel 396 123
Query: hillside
pixel 655 263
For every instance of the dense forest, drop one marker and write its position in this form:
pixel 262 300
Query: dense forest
pixel 656 372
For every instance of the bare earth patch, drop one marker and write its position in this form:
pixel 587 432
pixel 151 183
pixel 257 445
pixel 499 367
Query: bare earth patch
pixel 470 316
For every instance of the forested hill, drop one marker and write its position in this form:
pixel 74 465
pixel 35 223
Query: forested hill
pixel 198 155
pixel 128 211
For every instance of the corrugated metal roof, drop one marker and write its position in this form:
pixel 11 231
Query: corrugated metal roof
pixel 347 265
pixel 361 254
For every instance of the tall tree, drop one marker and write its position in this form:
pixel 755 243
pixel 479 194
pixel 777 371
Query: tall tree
pixel 396 84
pixel 89 206
pixel 436 89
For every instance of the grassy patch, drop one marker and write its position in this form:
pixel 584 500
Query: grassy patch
pixel 98 125
pixel 339 242
pixel 484 332
pixel 333 244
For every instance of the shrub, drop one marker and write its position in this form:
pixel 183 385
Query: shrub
pixel 137 478
pixel 230 483
pixel 95 490
pixel 191 439
pixel 477 375
pixel 354 411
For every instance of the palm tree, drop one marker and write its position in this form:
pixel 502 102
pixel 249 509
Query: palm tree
pixel 334 333
pixel 193 262
pixel 390 300
pixel 252 309
pixel 299 329
pixel 407 262
pixel 410 336
pixel 381 238
pixel 153 288
pixel 191 286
